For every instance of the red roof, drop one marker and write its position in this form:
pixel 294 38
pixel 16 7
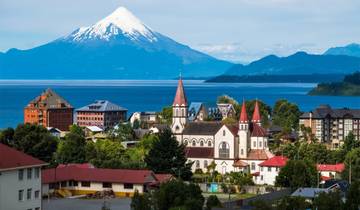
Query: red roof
pixel 256 115
pixel 258 131
pixel 199 152
pixel 240 164
pixel 78 165
pixel 97 175
pixel 180 97
pixel 164 177
pixel 331 167
pixel 276 161
pixel 243 114
pixel 11 158
pixel 259 154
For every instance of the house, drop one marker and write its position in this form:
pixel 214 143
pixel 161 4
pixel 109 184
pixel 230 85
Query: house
pixel 84 179
pixel 226 110
pixel 308 192
pixel 20 180
pixel 331 126
pixel 143 117
pixel 157 128
pixel 269 169
pixel 330 171
pixel 49 110
pixel 239 147
pixel 54 131
pixel 103 114
pixel 197 112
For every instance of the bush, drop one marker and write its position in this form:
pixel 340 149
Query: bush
pixel 212 201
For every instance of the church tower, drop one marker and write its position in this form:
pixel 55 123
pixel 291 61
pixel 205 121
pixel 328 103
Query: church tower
pixel 256 115
pixel 180 111
pixel 243 132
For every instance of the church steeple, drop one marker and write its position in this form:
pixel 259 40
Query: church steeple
pixel 180 97
pixel 256 118
pixel 243 114
pixel 180 109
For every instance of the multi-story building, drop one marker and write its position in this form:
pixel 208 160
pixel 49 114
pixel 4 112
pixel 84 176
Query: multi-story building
pixel 49 110
pixel 239 147
pixel 103 114
pixel 332 125
pixel 20 180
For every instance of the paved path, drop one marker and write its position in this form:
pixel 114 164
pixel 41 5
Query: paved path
pixel 86 204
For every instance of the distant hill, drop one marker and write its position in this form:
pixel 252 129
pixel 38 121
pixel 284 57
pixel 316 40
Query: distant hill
pixel 119 46
pixel 298 63
pixel 350 86
pixel 265 78
pixel 350 50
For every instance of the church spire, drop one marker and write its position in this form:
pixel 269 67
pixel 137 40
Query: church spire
pixel 243 114
pixel 180 97
pixel 256 115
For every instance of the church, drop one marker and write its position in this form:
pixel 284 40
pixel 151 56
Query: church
pixel 240 147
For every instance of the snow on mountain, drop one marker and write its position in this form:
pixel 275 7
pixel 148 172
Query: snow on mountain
pixel 121 21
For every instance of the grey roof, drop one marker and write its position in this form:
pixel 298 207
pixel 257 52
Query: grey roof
pixel 202 128
pixel 101 106
pixel 194 110
pixel 324 111
pixel 309 192
pixel 51 100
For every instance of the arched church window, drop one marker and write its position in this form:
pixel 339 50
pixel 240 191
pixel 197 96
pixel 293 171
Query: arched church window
pixel 260 144
pixel 252 166
pixel 254 143
pixel 176 113
pixel 242 151
pixel 177 128
pixel 209 144
pixel 201 143
pixel 224 150
pixel 265 143
pixel 185 142
pixel 224 132
pixel 182 112
pixel 197 164
pixel 205 163
pixel 193 143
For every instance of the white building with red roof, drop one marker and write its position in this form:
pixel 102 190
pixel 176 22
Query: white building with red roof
pixel 239 147
pixel 330 171
pixel 269 169
pixel 20 180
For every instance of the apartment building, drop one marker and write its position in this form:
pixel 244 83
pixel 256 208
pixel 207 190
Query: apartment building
pixel 331 126
pixel 49 110
pixel 20 180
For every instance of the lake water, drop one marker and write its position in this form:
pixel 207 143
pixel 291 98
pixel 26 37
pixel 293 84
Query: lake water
pixel 153 95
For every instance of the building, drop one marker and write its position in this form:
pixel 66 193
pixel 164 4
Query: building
pixel 20 180
pixel 226 110
pixel 103 114
pixel 331 126
pixel 82 179
pixel 54 132
pixel 269 169
pixel 239 147
pixel 149 118
pixel 49 110
pixel 199 112
pixel 330 171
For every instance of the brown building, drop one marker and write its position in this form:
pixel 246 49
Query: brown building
pixel 49 110
pixel 103 114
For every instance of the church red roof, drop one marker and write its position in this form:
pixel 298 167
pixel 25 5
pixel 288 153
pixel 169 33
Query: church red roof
pixel 276 161
pixel 258 131
pixel 256 115
pixel 199 152
pixel 259 154
pixel 11 159
pixel 331 167
pixel 180 97
pixel 243 114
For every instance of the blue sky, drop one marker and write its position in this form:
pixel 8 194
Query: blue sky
pixel 237 30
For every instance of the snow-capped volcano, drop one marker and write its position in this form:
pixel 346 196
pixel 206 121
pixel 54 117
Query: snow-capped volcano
pixel 121 21
pixel 119 46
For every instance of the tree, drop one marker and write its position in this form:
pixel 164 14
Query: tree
pixel 178 194
pixel 293 203
pixel 330 200
pixel 352 197
pixel 297 173
pixel 140 202
pixel 168 156
pixel 106 154
pixel 136 124
pixel 306 134
pixel 352 162
pixel 72 148
pixel 124 132
pixel 286 114
pixel 212 201
pixel 34 140
pixel 350 143
pixel 261 205
pixel 166 115
pixel 7 136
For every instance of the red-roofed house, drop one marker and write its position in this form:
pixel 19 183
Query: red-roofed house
pixel 20 180
pixel 330 171
pixel 80 180
pixel 269 169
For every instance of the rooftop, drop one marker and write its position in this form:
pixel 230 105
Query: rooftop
pixel 199 152
pixel 331 167
pixel 101 106
pixel 276 161
pixel 324 111
pixel 12 159
pixel 50 100
pixel 202 128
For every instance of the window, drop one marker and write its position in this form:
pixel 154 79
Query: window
pixel 224 150
pixel 21 174
pixel 260 144
pixel 193 143
pixel 201 143
pixel 29 173
pixel 205 164
pixel 261 168
pixel 28 194
pixel 209 143
pixel 224 132
pixel 261 177
pixel 277 169
pixel 185 142
pixel 63 184
pixel 107 185
pixel 269 169
pixel 242 151
pixel 21 195
pixel 252 166
pixel 85 184
pixel 128 186
pixel 197 164
pixel 37 194
pixel 254 143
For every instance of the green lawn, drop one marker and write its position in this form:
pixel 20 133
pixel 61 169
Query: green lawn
pixel 225 197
